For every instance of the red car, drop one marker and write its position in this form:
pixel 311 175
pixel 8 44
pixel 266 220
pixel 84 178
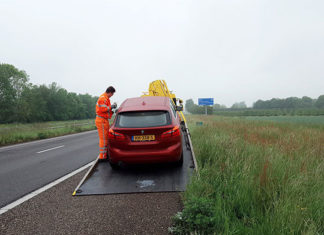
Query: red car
pixel 146 130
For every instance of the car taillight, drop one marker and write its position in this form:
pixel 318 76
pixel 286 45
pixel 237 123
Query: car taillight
pixel 171 133
pixel 115 135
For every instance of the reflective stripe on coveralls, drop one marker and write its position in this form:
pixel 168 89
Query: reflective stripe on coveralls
pixel 103 105
pixel 100 117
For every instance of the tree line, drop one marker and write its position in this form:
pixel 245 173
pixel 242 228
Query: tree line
pixel 273 107
pixel 270 112
pixel 21 101
pixel 290 103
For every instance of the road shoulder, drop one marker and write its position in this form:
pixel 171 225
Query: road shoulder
pixel 56 211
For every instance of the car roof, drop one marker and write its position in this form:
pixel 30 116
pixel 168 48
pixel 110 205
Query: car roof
pixel 145 103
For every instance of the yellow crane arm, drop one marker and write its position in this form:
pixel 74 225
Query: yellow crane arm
pixel 160 88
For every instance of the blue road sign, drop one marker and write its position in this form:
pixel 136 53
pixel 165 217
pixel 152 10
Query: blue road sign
pixel 206 101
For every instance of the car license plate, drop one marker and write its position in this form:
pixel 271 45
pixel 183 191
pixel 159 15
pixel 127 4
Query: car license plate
pixel 143 138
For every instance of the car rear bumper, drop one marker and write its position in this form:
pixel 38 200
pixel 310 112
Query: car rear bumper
pixel 170 154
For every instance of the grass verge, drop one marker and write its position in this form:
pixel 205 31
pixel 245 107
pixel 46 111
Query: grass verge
pixel 18 133
pixel 304 120
pixel 256 177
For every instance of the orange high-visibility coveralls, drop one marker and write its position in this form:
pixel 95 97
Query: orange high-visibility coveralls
pixel 103 110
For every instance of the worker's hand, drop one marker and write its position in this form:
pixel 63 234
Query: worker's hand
pixel 114 105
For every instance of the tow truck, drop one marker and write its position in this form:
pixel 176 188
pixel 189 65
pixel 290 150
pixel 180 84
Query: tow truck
pixel 102 179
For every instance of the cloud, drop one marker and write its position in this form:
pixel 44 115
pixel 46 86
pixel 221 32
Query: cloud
pixel 229 50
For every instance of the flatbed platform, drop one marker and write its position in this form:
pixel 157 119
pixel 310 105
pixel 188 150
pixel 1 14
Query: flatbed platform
pixel 102 179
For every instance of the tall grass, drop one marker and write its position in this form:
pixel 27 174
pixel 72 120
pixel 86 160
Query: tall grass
pixel 17 133
pixel 255 178
pixel 307 120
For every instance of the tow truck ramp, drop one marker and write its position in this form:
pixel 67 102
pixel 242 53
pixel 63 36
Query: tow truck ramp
pixel 102 179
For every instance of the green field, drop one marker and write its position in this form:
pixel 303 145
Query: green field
pixel 17 133
pixel 310 120
pixel 256 177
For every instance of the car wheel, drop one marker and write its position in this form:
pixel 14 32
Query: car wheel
pixel 114 166
pixel 180 162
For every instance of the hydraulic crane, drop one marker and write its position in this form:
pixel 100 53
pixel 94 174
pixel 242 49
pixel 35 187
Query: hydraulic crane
pixel 160 88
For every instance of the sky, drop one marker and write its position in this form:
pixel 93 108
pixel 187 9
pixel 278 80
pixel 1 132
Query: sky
pixel 229 50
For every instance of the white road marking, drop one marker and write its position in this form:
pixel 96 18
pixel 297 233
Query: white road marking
pixel 51 149
pixel 38 191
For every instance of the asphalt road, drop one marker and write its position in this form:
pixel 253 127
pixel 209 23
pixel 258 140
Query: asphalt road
pixel 29 166
pixel 56 211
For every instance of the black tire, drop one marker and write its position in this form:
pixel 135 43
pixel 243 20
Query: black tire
pixel 114 166
pixel 180 162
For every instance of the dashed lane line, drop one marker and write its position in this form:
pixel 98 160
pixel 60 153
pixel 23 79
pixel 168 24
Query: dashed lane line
pixel 46 150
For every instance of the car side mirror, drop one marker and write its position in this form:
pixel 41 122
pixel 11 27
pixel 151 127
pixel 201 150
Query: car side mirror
pixel 179 108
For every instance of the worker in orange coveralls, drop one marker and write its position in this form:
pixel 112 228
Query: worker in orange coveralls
pixel 104 113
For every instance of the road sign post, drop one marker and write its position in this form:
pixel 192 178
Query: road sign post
pixel 205 102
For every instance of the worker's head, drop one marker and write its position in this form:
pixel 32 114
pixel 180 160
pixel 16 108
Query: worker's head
pixel 110 91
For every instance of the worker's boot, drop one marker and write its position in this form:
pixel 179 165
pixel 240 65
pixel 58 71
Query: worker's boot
pixel 103 160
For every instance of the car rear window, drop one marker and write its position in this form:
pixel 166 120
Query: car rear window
pixel 143 119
